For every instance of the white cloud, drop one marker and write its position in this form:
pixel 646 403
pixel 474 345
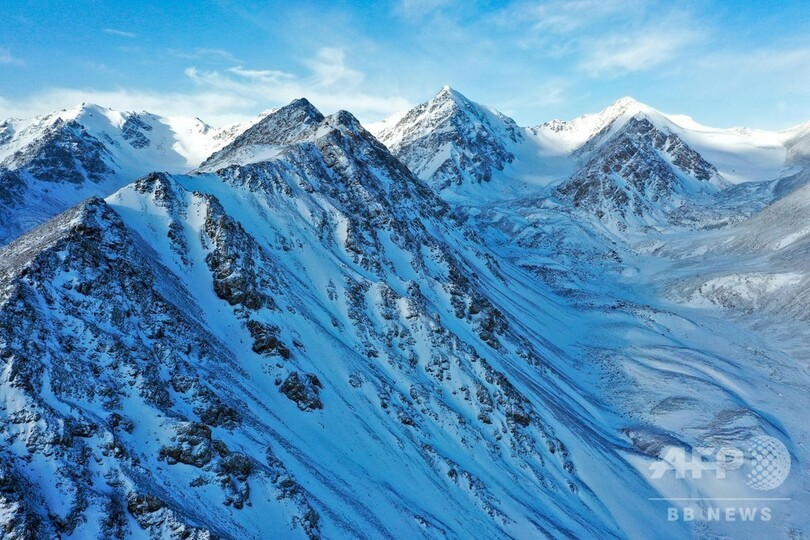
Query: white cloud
pixel 768 75
pixel 120 33
pixel 205 54
pixel 536 96
pixel 224 96
pixel 566 16
pixel 329 69
pixel 265 75
pixel 600 38
pixel 6 58
pixel 763 62
pixel 617 55
pixel 330 85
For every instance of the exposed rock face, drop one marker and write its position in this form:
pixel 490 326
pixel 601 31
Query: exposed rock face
pixel 65 152
pixel 285 126
pixel 233 474
pixel 191 445
pixel 473 141
pixel 266 340
pixel 156 517
pixel 96 396
pixel 133 131
pixel 234 261
pixel 303 390
pixel 12 187
pixel 639 176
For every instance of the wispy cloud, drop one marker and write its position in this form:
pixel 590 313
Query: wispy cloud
pixel 6 58
pixel 601 38
pixel 120 33
pixel 769 74
pixel 224 96
pixel 615 55
pixel 206 55
pixel 329 68
pixel 561 17
pixel 763 61
pixel 263 75
pixel 330 83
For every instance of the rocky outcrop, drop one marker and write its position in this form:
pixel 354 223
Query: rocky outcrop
pixel 190 445
pixel 65 152
pixel 303 389
pixel 266 340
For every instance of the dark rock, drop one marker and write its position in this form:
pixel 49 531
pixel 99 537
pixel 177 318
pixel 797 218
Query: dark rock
pixel 192 445
pixel 266 340
pixel 304 390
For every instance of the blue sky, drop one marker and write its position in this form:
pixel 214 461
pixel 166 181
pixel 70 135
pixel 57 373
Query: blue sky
pixel 725 63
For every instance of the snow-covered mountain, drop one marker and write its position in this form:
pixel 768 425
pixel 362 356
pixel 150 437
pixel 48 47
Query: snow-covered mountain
pixel 473 154
pixel 630 165
pixel 52 162
pixel 472 330
pixel 450 140
pixel 639 176
pixel 797 143
pixel 739 154
pixel 758 266
pixel 304 338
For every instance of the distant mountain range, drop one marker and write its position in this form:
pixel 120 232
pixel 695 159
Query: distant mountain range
pixel 54 161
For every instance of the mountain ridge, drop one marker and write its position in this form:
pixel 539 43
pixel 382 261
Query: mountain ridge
pixel 52 162
pixel 337 295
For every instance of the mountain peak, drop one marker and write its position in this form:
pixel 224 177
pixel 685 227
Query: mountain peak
pixel 448 93
pixel 81 110
pixel 301 104
pixel 639 176
pixel 345 119
pixel 91 107
pixel 299 111
pixel 623 107
pixel 627 101
pixel 281 127
pixel 473 140
pixel 297 122
pixel 589 130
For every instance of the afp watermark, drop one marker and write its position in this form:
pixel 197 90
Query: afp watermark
pixel 763 463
